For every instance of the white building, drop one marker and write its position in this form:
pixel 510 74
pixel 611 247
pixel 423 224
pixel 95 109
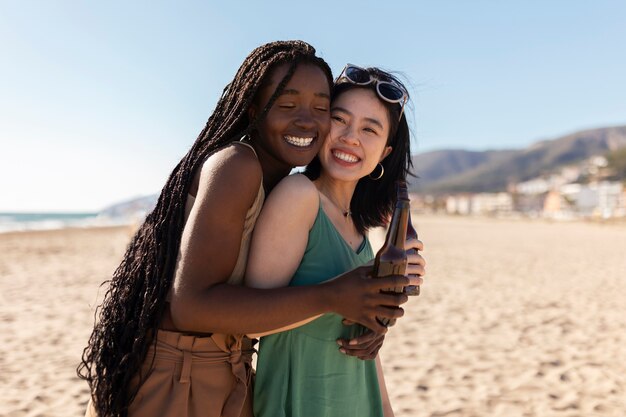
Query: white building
pixel 490 203
pixel 483 203
pixel 459 204
pixel 534 186
pixel 542 185
pixel 604 199
pixel 611 200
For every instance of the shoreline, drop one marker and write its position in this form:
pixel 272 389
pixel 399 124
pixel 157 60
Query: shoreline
pixel 133 225
pixel 88 229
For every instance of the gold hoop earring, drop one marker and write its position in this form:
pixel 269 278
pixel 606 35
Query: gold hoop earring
pixel 382 172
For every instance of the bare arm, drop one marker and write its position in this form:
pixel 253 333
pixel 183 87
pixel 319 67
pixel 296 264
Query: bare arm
pixel 280 237
pixel 203 302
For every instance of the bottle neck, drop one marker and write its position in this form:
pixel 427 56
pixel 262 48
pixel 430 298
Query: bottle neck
pixel 411 233
pixel 398 227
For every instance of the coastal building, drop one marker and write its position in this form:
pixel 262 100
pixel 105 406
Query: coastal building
pixel 542 198
pixel 459 204
pixel 611 201
pixel 491 203
pixel 534 186
pixel 555 206
pixel 479 204
pixel 603 199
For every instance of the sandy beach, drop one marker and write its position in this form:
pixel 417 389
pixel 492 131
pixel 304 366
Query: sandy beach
pixel 517 318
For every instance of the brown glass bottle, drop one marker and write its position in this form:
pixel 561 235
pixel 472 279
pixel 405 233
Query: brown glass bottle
pixel 411 234
pixel 391 259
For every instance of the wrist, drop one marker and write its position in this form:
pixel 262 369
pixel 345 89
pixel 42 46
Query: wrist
pixel 327 298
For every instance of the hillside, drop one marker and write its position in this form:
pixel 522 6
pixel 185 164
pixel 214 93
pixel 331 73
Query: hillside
pixel 131 209
pixel 455 171
pixel 459 170
pixel 436 165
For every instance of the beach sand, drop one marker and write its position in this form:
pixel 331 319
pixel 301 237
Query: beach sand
pixel 517 318
pixel 49 284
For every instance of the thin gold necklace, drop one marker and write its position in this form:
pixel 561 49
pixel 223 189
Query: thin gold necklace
pixel 346 213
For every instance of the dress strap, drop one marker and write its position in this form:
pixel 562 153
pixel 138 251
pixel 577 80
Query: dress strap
pixel 246 141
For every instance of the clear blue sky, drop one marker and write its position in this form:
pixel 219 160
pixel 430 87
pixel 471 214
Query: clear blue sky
pixel 99 100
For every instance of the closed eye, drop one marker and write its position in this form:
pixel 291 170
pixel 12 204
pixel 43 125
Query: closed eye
pixel 338 119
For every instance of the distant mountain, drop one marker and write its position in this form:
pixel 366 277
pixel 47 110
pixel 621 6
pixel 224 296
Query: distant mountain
pixel 456 171
pixel 133 209
pixel 437 165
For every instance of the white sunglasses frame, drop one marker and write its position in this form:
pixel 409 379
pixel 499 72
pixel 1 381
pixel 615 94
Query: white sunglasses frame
pixel 373 78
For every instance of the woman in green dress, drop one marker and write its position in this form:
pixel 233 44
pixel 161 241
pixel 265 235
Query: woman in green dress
pixel 313 228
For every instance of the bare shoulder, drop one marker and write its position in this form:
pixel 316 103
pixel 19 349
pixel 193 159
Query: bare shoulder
pixel 297 187
pixel 295 195
pixel 234 170
pixel 236 160
pixel 297 183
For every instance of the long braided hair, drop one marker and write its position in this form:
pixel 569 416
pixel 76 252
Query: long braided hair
pixel 129 316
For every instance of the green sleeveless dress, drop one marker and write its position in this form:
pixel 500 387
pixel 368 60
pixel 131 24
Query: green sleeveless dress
pixel 300 372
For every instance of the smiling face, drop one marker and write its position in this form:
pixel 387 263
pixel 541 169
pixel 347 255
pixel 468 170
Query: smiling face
pixel 293 130
pixel 358 135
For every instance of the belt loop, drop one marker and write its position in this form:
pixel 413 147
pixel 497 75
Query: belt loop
pixel 185 344
pixel 186 371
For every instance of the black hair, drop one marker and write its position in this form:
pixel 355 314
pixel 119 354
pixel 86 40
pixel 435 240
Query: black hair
pixel 373 201
pixel 129 316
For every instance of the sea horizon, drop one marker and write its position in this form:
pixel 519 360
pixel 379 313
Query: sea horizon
pixel 23 221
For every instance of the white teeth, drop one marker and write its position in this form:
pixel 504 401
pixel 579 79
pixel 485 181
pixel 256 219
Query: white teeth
pixel 297 141
pixel 345 156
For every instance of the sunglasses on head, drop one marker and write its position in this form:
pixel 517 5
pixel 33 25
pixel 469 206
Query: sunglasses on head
pixel 389 91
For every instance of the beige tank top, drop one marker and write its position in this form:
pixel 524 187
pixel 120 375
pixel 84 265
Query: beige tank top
pixel 236 277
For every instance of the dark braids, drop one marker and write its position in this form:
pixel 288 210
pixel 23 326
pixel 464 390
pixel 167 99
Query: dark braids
pixel 128 318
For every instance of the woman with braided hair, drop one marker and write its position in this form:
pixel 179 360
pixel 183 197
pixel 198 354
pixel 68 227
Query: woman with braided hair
pixel 169 338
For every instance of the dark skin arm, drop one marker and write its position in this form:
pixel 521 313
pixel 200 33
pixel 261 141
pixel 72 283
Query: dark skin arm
pixel 201 300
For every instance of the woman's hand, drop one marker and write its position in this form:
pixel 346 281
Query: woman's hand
pixel 416 267
pixel 357 297
pixel 364 347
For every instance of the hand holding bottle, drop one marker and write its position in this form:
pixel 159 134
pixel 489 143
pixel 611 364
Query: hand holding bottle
pixel 360 299
pixel 416 267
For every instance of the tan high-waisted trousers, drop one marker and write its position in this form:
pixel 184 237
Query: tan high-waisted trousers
pixel 195 377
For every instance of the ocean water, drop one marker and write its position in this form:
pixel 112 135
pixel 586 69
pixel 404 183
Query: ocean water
pixel 128 212
pixel 16 222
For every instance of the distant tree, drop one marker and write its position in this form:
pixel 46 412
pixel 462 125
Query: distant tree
pixel 617 162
